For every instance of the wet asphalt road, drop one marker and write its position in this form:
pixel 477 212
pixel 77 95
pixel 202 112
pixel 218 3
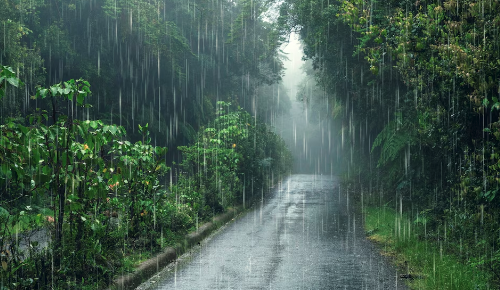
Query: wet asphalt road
pixel 302 236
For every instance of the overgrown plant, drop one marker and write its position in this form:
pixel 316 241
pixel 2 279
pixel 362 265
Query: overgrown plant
pixel 232 158
pixel 100 196
pixel 84 172
pixel 419 88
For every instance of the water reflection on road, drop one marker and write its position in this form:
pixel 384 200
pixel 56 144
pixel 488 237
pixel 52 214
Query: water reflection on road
pixel 303 236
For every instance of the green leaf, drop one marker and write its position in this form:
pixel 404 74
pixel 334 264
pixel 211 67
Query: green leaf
pixel 3 212
pixel 63 160
pixel 79 99
pixel 5 168
pixel 67 91
pixel 42 93
pixel 46 170
pixel 35 156
pixel 13 81
pixel 80 130
pixel 23 129
pixel 54 90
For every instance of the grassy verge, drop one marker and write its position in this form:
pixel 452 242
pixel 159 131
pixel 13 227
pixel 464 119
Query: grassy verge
pixel 135 256
pixel 146 265
pixel 426 262
pixel 134 259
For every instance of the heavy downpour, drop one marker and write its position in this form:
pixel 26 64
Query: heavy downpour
pixel 249 144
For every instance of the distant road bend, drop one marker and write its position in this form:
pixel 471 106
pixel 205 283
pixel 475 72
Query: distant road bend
pixel 302 236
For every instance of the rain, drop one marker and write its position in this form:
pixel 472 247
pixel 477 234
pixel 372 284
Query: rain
pixel 249 144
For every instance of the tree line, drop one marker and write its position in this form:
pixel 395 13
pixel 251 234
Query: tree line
pixel 90 167
pixel 159 62
pixel 415 87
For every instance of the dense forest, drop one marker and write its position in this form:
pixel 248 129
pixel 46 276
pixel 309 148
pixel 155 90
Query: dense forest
pixel 414 88
pixel 92 93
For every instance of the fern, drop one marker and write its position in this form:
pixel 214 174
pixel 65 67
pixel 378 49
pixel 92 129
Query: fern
pixel 395 136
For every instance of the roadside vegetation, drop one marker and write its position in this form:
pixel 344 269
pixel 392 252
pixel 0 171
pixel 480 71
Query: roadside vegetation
pixel 413 94
pixel 92 170
pixel 104 200
pixel 421 261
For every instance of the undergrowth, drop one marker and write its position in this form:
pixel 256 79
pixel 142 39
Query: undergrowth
pixel 426 264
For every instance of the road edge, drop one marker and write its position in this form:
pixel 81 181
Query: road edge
pixel 150 267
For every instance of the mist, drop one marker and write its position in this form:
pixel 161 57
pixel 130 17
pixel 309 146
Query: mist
pixel 307 126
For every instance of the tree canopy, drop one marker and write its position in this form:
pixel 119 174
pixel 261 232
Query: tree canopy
pixel 417 82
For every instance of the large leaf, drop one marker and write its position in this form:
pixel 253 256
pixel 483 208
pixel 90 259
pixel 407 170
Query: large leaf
pixel 3 212
pixel 7 75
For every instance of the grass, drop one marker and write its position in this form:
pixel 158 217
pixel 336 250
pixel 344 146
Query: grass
pixel 135 256
pixel 135 259
pixel 425 260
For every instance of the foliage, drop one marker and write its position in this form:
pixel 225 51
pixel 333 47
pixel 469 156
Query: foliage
pixel 88 174
pixel 425 261
pixel 7 75
pixel 97 187
pixel 395 137
pixel 229 156
pixel 418 85
pixel 101 197
pixel 149 61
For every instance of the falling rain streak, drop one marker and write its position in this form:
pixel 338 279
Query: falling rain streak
pixel 125 125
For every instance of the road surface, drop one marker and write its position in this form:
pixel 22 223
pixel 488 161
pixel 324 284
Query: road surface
pixel 304 235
